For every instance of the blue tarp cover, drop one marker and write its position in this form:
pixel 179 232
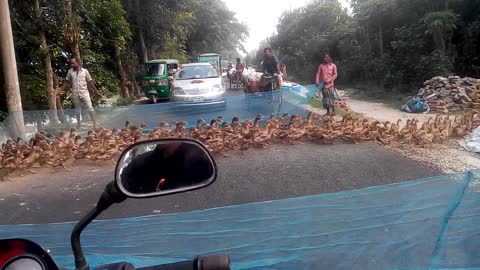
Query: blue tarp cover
pixel 425 224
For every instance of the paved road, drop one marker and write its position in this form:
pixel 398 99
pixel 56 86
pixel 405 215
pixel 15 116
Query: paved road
pixel 236 105
pixel 281 171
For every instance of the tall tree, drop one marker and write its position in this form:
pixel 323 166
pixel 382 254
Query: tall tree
pixel 9 64
pixel 140 31
pixel 440 22
pixel 305 34
pixel 376 17
pixel 109 31
pixel 121 72
pixel 47 64
pixel 72 33
pixel 215 28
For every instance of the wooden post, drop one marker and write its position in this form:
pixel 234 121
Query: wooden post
pixel 9 64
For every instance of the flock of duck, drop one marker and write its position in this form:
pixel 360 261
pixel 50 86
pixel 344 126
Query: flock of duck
pixel 220 136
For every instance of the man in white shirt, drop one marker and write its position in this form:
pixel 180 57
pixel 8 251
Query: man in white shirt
pixel 80 80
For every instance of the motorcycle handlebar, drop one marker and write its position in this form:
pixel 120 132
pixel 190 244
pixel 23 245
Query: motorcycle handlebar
pixel 211 262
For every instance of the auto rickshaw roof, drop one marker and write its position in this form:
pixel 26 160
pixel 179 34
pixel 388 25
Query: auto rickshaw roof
pixel 166 61
pixel 210 54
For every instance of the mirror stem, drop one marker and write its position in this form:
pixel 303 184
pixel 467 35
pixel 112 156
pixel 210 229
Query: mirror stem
pixel 110 196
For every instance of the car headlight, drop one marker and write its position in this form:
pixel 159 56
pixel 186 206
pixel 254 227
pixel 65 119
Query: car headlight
pixel 217 88
pixel 178 91
pixel 163 83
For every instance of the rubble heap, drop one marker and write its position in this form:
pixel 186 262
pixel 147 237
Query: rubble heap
pixel 452 93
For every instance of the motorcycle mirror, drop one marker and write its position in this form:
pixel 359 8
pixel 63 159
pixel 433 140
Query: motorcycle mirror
pixel 162 167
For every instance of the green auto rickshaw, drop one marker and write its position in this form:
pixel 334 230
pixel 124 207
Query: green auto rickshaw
pixel 157 78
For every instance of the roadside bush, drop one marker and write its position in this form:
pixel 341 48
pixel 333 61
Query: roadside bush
pixel 124 101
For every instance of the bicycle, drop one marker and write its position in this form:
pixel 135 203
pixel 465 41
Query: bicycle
pixel 237 80
pixel 274 95
pixel 269 89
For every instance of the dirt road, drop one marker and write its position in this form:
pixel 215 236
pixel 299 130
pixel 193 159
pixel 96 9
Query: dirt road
pixel 449 158
pixel 383 112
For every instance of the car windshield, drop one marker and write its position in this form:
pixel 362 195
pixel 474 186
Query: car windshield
pixel 154 69
pixel 197 72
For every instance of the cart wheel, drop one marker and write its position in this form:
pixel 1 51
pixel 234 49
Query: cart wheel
pixel 248 100
pixel 153 98
pixel 277 100
pixel 270 94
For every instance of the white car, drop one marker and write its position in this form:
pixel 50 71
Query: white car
pixel 198 83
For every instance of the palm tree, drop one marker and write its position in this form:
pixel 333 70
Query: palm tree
pixel 440 22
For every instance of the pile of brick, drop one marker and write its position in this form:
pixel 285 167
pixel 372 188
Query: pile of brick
pixel 452 93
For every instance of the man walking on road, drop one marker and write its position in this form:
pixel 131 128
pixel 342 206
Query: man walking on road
pixel 326 75
pixel 80 80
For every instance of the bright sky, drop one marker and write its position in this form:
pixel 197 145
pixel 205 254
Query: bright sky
pixel 261 16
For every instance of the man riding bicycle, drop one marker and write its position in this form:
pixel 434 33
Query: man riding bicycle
pixel 239 66
pixel 271 66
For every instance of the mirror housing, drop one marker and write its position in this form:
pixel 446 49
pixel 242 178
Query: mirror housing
pixel 162 167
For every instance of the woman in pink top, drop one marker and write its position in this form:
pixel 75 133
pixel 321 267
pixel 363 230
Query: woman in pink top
pixel 326 75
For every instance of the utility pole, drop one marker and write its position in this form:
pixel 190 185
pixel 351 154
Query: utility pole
pixel 9 64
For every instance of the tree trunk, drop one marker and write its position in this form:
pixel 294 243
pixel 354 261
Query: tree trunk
pixel 47 62
pixel 143 48
pixel 141 38
pixel 133 82
pixel 130 78
pixel 58 102
pixel 9 64
pixel 61 113
pixel 439 41
pixel 136 88
pixel 121 72
pixel 368 75
pixel 72 35
pixel 380 39
pixel 367 36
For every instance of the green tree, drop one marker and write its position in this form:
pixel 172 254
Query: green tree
pixel 106 30
pixel 305 34
pixel 440 24
pixel 382 42
pixel 215 28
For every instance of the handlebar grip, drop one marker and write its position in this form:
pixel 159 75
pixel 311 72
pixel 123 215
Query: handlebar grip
pixel 210 262
pixel 213 262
